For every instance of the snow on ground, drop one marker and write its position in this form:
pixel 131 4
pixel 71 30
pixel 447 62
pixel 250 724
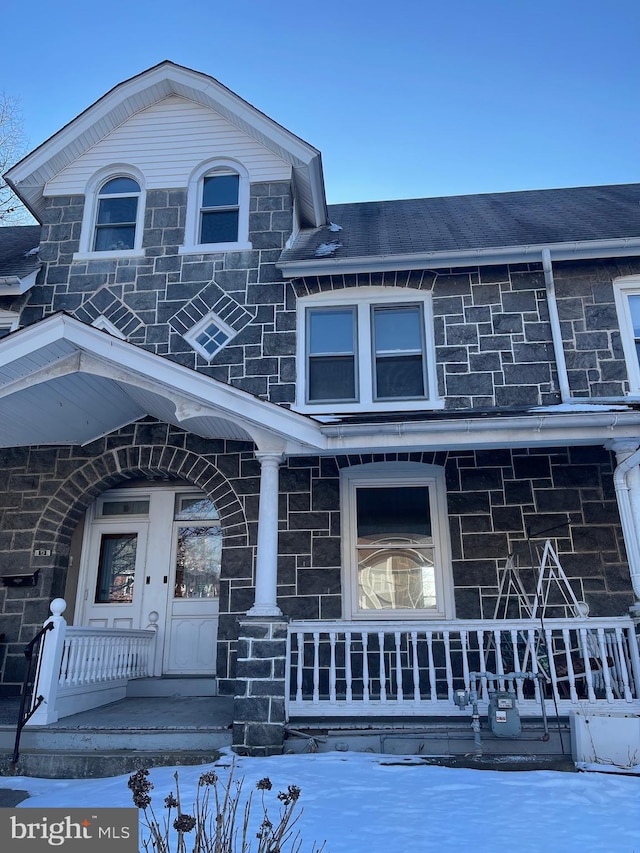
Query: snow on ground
pixel 364 802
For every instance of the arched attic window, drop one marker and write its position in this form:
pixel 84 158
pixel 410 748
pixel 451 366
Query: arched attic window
pixel 113 214
pixel 218 208
pixel 116 215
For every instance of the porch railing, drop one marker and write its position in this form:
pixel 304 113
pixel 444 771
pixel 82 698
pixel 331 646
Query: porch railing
pixel 82 668
pixel 410 669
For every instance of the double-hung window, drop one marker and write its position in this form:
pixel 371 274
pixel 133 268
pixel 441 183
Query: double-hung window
pixel 627 296
pixel 217 208
pixel 366 351
pixel 116 215
pixel 113 219
pixel 396 553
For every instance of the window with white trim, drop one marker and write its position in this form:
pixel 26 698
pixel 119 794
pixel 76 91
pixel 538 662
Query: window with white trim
pixel 116 215
pixel 113 219
pixel 366 349
pixel 209 336
pixel 396 552
pixel 217 208
pixel 627 297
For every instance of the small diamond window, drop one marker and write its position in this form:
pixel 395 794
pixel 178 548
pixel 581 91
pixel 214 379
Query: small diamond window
pixel 209 336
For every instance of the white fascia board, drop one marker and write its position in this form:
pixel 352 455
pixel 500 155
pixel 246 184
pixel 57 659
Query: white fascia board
pixel 535 430
pixel 12 285
pixel 579 250
pixel 225 399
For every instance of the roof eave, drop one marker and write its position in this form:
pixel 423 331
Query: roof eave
pixel 574 250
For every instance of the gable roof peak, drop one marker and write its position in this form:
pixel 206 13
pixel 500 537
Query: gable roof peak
pixel 29 177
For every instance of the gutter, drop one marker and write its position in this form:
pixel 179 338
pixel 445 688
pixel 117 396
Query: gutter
pixel 578 249
pixel 626 481
pixel 556 332
pixel 536 421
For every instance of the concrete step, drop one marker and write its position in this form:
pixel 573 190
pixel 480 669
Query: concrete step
pixel 55 764
pixel 118 738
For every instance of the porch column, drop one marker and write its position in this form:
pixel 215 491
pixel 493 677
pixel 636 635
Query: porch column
pixel 259 700
pixel 267 553
pixel 626 480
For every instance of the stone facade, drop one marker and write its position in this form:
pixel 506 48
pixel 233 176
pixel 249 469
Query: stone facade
pixel 494 498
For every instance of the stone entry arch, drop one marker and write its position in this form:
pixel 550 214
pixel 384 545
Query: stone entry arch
pixel 115 467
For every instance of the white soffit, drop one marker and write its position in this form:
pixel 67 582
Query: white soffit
pixel 62 382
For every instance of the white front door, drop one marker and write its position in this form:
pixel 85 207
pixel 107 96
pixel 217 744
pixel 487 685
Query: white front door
pixel 152 558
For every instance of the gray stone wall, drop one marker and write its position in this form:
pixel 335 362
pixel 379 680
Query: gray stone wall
pixel 492 332
pixel 496 499
pixel 590 329
pixel 491 325
pixel 145 298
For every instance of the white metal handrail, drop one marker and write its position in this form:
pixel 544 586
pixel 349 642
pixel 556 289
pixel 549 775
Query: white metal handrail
pixel 414 668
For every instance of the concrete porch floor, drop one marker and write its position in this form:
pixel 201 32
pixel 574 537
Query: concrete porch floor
pixel 140 713
pixel 119 738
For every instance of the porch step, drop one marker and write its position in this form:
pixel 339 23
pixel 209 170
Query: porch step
pixel 172 686
pixel 55 764
pixel 118 738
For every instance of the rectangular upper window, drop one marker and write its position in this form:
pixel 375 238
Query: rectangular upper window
pixel 366 352
pixel 332 353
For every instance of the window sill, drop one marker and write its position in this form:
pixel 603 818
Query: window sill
pixel 400 616
pixel 211 248
pixel 108 256
pixel 328 408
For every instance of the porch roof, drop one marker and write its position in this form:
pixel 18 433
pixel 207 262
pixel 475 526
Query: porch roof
pixel 63 382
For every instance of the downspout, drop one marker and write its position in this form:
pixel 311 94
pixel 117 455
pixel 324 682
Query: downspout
pixel 626 480
pixel 556 332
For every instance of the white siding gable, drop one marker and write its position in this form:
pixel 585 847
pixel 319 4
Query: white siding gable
pixel 166 142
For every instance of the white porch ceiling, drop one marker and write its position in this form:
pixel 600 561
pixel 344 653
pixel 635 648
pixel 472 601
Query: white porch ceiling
pixel 62 382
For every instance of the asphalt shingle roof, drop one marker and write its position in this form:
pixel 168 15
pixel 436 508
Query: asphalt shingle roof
pixel 16 241
pixel 491 220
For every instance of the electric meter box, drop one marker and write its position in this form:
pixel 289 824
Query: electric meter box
pixel 504 717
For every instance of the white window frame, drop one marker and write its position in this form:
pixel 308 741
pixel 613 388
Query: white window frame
pixel 623 288
pixel 396 474
pixel 363 299
pixel 192 242
pixel 86 252
pixel 192 334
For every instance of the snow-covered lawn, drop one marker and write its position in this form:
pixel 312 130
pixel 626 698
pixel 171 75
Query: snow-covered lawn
pixel 374 804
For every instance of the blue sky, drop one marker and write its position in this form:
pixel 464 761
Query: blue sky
pixel 403 99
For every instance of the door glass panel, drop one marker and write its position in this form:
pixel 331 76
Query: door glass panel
pixel 195 507
pixel 198 562
pixel 116 568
